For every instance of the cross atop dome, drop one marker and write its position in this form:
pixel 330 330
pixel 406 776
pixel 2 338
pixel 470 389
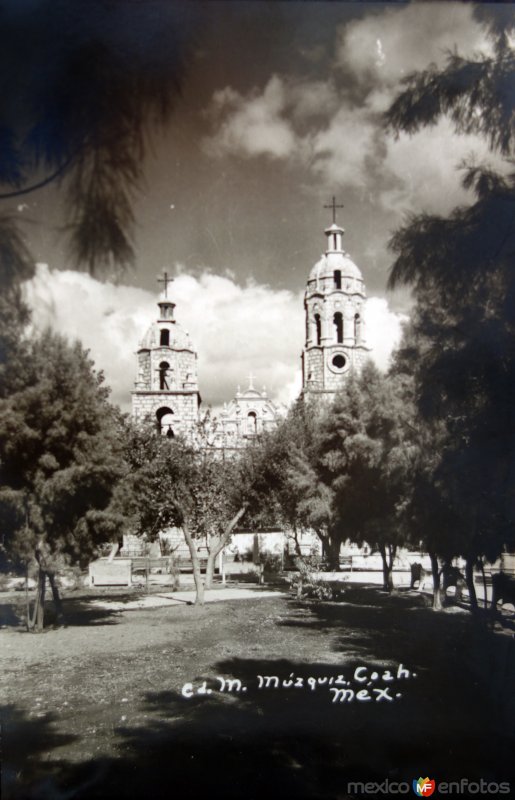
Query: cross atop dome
pixel 166 280
pixel 334 206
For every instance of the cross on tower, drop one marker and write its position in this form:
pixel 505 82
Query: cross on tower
pixel 334 206
pixel 251 381
pixel 166 280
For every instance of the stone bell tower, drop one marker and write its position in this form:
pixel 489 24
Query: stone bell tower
pixel 335 329
pixel 166 389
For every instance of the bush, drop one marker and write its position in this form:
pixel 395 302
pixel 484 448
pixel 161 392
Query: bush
pixel 306 585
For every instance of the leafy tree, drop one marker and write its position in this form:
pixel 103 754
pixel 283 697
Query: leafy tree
pixel 170 483
pixel 83 107
pixel 365 458
pixel 460 268
pixel 279 472
pixel 59 459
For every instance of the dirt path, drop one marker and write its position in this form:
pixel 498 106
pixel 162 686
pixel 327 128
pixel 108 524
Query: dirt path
pixel 98 709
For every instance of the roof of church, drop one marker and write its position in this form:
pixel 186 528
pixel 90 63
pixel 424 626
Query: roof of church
pixel 251 392
pixel 328 263
pixel 179 338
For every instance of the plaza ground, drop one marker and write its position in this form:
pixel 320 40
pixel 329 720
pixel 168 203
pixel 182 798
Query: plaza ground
pixel 110 705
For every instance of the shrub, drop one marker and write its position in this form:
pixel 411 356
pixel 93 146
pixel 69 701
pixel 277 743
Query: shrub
pixel 306 585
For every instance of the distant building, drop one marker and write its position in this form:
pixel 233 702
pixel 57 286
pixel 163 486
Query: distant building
pixel 166 389
pixel 335 327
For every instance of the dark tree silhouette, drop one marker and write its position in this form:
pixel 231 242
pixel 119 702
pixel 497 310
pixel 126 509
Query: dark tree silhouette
pixel 83 87
pixel 461 271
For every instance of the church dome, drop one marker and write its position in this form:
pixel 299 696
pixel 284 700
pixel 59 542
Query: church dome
pixel 331 261
pixel 179 338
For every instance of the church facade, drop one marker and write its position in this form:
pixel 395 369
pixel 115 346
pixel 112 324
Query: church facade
pixel 166 388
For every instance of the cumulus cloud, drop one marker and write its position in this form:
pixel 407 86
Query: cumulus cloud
pixel 334 128
pixel 107 319
pixel 384 330
pixel 381 49
pixel 236 330
pixel 253 125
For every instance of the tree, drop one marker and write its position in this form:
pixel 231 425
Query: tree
pixel 460 268
pixel 59 460
pixel 82 109
pixel 365 458
pixel 282 484
pixel 170 483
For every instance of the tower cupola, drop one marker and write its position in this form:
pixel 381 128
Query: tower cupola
pixel 335 329
pixel 166 388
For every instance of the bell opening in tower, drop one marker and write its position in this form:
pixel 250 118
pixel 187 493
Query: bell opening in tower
pixel 164 418
pixel 164 368
pixel 318 328
pixel 338 325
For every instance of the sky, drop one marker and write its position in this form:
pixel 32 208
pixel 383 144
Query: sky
pixel 280 109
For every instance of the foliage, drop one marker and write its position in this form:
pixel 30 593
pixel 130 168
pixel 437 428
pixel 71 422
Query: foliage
pixel 461 344
pixel 59 454
pixel 307 585
pixel 170 482
pixel 476 93
pixel 365 459
pixel 83 107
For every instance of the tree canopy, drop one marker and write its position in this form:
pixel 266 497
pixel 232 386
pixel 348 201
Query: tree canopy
pixel 59 454
pixel 461 342
pixel 91 84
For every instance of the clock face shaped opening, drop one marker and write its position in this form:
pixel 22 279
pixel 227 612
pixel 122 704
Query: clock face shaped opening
pixel 339 361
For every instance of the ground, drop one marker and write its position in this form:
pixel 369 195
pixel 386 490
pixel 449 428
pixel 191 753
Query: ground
pixel 109 706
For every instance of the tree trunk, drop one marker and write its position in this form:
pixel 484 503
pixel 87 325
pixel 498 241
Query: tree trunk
pixel 39 613
pixel 387 559
pixel 332 551
pixel 200 585
pixel 469 577
pixel 297 547
pixel 197 576
pixel 437 586
pixel 485 600
pixel 59 613
pixel 210 568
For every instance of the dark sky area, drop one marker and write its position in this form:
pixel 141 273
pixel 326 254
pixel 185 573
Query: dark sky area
pixel 280 108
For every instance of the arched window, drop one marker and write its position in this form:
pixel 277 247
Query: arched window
pixel 164 368
pixel 164 417
pixel 338 326
pixel 252 423
pixel 357 327
pixel 337 279
pixel 165 337
pixel 318 328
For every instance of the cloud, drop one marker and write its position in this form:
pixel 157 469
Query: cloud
pixel 346 151
pixel 107 319
pixel 253 125
pixel 235 329
pixel 381 49
pixel 267 123
pixel 333 129
pixel 383 330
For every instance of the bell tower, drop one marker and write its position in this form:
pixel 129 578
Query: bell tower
pixel 166 388
pixel 335 329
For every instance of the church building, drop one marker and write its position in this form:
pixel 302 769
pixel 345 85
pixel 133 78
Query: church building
pixel 166 389
pixel 335 328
